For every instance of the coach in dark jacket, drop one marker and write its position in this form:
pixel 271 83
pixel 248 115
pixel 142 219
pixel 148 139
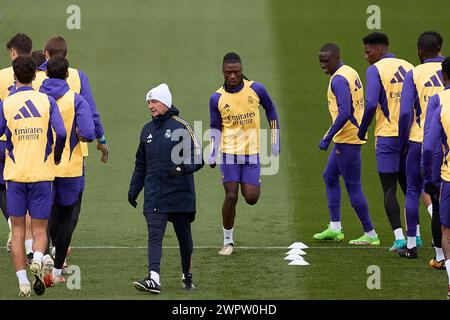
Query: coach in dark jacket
pixel 167 156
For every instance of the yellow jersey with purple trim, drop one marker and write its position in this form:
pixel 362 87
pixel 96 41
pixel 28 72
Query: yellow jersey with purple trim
pixel 348 133
pixel 73 80
pixel 72 159
pixel 74 84
pixel 444 98
pixel 392 72
pixel 6 81
pixel 427 79
pixel 27 159
pixel 240 120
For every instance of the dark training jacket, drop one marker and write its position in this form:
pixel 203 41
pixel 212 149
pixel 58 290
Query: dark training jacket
pixel 154 161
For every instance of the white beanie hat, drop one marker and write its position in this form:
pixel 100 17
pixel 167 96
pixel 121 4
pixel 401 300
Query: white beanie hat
pixel 160 93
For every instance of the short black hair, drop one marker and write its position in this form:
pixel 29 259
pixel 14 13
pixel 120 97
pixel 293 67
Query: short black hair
pixel 57 67
pixel 376 38
pixel 331 47
pixel 38 57
pixel 21 43
pixel 24 69
pixel 437 35
pixel 428 44
pixel 446 67
pixel 231 57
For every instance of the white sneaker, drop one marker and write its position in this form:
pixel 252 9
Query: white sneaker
pixel 58 279
pixel 69 252
pixel 37 278
pixel 8 242
pixel 226 250
pixel 24 290
pixel 47 265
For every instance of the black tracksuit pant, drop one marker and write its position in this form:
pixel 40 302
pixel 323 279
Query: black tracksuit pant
pixel 156 225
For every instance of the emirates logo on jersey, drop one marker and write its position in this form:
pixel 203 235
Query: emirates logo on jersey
pixel 28 133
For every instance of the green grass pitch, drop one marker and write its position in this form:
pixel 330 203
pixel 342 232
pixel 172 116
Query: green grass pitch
pixel 126 48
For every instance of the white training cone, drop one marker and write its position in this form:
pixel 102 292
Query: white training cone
pixel 298 263
pixel 298 245
pixel 293 257
pixel 296 251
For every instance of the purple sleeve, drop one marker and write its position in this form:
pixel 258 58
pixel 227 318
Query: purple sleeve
pixel 2 143
pixel 340 88
pixel 57 124
pixel 2 120
pixel 408 101
pixel 433 103
pixel 266 102
pixel 83 118
pixel 215 126
pixel 430 139
pixel 87 95
pixel 373 89
pixel 271 114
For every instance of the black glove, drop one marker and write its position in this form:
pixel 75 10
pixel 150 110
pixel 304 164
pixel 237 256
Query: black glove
pixel 431 188
pixel 132 201
pixel 176 171
pixel 361 136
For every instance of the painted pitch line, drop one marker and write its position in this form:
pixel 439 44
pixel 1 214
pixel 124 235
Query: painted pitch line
pixel 218 247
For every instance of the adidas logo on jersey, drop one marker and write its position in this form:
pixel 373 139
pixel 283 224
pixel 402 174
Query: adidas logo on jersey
pixel 399 76
pixel 27 111
pixel 435 80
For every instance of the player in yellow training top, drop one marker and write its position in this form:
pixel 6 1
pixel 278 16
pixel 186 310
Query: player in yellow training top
pixel 384 83
pixel 27 118
pixel 235 126
pixel 421 83
pixel 19 45
pixel 346 106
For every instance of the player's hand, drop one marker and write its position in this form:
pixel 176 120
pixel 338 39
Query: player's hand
pixel 176 171
pixel 57 160
pixel 323 145
pixel 103 147
pixel 362 136
pixel 431 188
pixel 132 201
pixel 275 149
pixel 212 162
